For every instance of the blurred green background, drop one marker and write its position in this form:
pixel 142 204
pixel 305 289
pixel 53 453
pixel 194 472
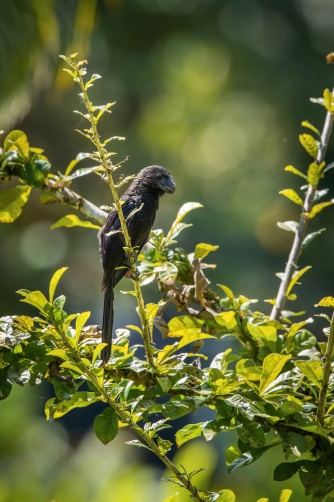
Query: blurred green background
pixel 213 90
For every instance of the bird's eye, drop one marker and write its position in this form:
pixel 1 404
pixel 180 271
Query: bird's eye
pixel 159 177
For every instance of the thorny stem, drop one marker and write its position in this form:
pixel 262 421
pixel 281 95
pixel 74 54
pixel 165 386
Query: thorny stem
pixel 130 252
pixel 295 252
pixel 119 409
pixel 326 373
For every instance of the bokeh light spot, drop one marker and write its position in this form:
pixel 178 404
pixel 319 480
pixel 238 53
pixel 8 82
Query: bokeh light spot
pixel 42 249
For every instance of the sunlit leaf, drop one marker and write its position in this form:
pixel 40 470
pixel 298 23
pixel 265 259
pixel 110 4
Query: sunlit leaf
pixel 226 319
pixel 79 324
pixel 314 173
pixel 328 100
pixel 227 291
pixel 319 207
pixel 292 195
pixel 71 220
pixel 37 299
pixel 307 124
pixel 266 333
pixel 17 140
pixel 97 351
pixel 272 367
pixel 12 202
pixel 327 301
pixel 202 250
pixel 312 370
pixel 54 282
pixel 293 170
pixel 310 144
pixel 188 432
pixel 172 498
pixel 185 209
pixel 226 496
pixel 79 400
pixel 296 277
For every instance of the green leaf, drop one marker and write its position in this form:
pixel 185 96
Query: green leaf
pixel 314 173
pixel 289 226
pixel 164 445
pixel 188 432
pixel 310 475
pixel 293 170
pixel 37 299
pixel 328 100
pixel 71 220
pixel 272 366
pixel 311 427
pixel 286 470
pixel 327 301
pixel 184 210
pixel 97 351
pixel 106 425
pixel 227 292
pixel 12 202
pixel 59 353
pixel 17 140
pixel 309 143
pixel 202 250
pixel 79 400
pixel 226 496
pixel 309 238
pixel 172 498
pixel 319 207
pixel 307 124
pixel 295 278
pixel 54 282
pixel 246 369
pixel 227 320
pixel 184 321
pixel 74 162
pixel 266 333
pixel 251 433
pixel 151 310
pixel 312 370
pixel 79 324
pixel 292 195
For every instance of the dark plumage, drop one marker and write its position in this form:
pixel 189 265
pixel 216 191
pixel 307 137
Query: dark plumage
pixel 146 189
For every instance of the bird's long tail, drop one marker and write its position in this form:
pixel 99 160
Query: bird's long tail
pixel 108 319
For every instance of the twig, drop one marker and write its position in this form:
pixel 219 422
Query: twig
pixel 103 155
pixel 326 373
pixel 295 252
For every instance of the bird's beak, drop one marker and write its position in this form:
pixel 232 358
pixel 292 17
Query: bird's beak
pixel 168 186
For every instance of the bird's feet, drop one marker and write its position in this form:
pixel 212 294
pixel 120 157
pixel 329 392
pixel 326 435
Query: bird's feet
pixel 131 258
pixel 133 275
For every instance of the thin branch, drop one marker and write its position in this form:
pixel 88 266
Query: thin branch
pixel 131 253
pixel 295 252
pixel 327 369
pixel 66 196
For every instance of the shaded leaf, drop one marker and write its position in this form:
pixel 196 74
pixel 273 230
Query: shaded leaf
pixel 106 425
pixel 309 238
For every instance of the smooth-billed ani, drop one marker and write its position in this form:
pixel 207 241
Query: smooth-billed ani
pixel 145 191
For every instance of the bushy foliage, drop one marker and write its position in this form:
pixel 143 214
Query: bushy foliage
pixel 275 390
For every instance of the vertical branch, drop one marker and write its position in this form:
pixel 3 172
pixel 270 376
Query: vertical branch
pixel 131 254
pixel 295 252
pixel 326 373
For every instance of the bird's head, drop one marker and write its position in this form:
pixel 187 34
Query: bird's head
pixel 157 177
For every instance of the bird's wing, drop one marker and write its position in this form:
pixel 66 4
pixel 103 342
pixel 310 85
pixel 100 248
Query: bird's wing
pixel 111 246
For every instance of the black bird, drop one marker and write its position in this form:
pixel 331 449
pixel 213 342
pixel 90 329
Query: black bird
pixel 143 194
